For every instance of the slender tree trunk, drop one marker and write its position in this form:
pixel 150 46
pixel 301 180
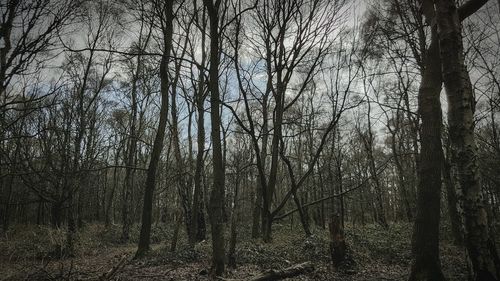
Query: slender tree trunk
pixel 6 214
pixel 340 186
pixel 402 183
pixel 130 158
pixel 268 193
pixel 380 213
pixel 198 219
pixel 145 236
pixel 217 194
pixel 180 167
pixel 234 224
pixel 112 193
pixel 197 210
pixel 71 231
pixel 257 208
pixel 302 215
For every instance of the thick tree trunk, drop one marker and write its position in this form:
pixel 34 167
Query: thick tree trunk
pixel 266 226
pixel 175 236
pixel 481 248
pixel 256 212
pixel 338 246
pixel 451 198
pixel 426 264
pixel 56 214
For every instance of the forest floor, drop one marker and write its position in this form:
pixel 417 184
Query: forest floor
pixel 373 254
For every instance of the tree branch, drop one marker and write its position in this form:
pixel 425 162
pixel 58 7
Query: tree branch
pixel 469 8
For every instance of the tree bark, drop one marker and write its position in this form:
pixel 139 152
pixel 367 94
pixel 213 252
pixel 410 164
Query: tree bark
pixel 145 236
pixel 426 264
pixel 198 219
pixel 217 195
pixel 337 241
pixel 451 198
pixel 481 249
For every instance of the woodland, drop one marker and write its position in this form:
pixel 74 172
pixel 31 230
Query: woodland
pixel 249 139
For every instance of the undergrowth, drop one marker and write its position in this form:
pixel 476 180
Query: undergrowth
pixel 369 247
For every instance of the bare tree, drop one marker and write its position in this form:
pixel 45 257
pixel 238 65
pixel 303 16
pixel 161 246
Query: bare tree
pixel 165 13
pixel 217 194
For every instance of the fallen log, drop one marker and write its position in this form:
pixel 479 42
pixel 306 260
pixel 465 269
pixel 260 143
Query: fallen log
pixel 288 272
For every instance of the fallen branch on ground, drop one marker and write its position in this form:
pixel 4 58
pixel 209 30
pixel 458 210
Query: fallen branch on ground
pixel 273 274
pixel 108 275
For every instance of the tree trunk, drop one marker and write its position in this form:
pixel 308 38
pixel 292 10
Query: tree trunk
pixel 197 211
pixel 234 224
pixel 56 214
pixel 481 249
pixel 426 264
pixel 217 194
pixel 71 231
pixel 451 198
pixel 257 208
pixel 368 141
pixel 145 236
pixel 175 236
pixel 130 157
pixel 112 194
pixel 6 214
pixel 180 167
pixel 256 212
pixel 302 215
pixel 338 246
pixel 198 219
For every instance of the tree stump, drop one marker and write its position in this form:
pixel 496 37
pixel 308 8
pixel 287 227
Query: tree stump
pixel 337 240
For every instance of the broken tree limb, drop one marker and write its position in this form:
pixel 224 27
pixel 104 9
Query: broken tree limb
pixel 108 275
pixel 288 272
pixel 272 275
pixel 364 183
